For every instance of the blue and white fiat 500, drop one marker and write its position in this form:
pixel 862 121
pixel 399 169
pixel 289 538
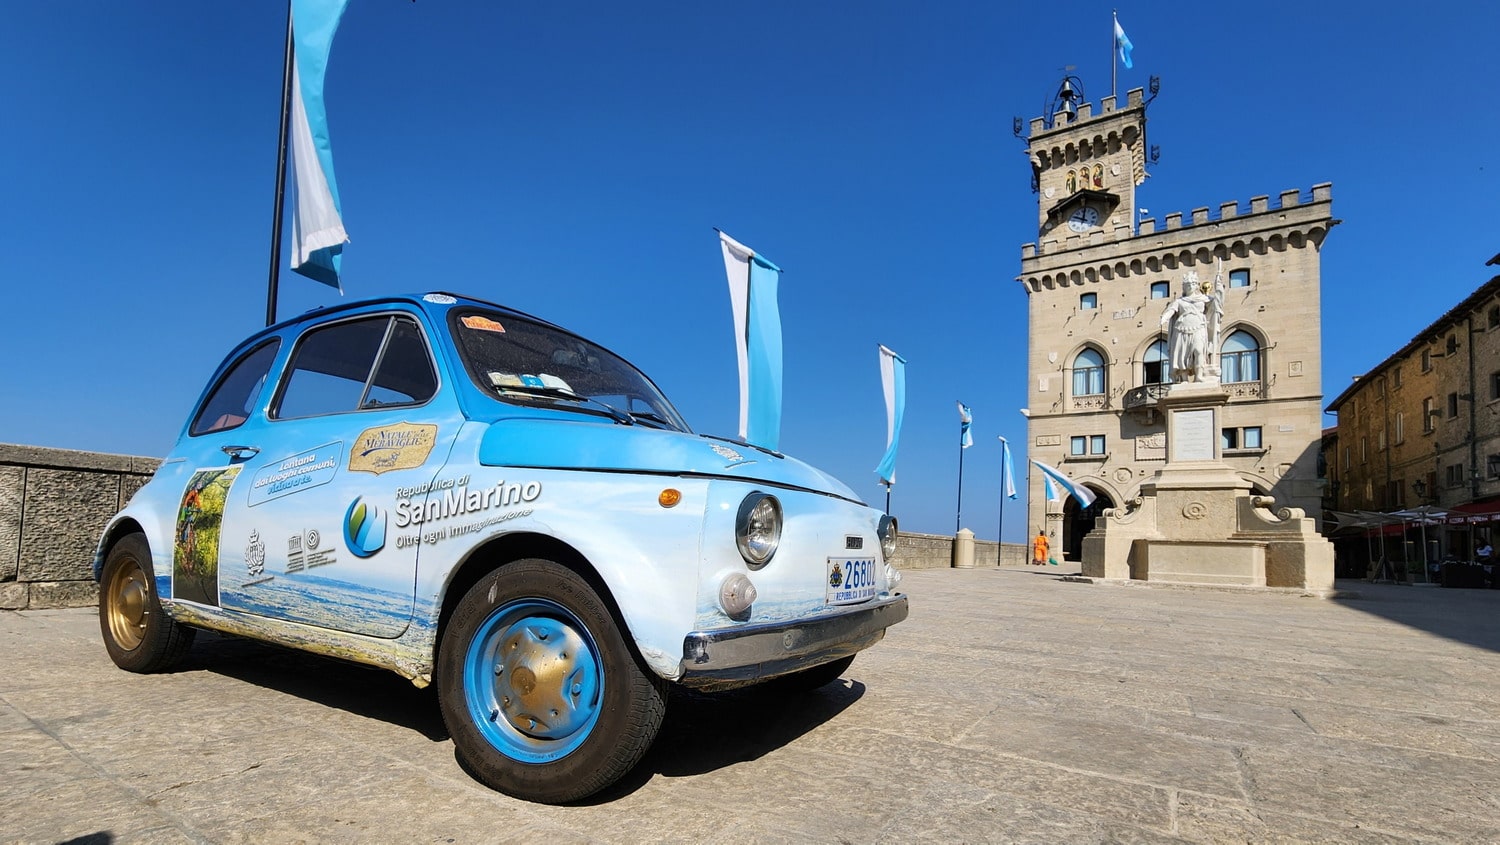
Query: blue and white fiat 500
pixel 474 497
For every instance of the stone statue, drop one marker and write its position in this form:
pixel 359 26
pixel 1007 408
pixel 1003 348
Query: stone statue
pixel 1192 324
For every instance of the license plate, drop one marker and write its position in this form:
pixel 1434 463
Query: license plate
pixel 851 579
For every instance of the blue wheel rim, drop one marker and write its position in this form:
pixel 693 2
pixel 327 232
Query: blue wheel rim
pixel 533 680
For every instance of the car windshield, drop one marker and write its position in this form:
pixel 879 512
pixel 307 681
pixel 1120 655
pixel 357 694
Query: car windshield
pixel 522 361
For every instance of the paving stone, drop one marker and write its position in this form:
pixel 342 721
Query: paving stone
pixel 1010 707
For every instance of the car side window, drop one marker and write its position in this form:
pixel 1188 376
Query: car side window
pixel 228 404
pixel 355 365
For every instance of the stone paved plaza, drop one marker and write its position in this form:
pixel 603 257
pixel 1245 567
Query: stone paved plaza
pixel 1011 707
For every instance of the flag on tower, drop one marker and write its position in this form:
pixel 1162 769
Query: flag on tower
pixel 1122 41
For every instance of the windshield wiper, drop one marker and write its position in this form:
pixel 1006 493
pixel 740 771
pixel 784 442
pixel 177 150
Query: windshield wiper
pixel 614 413
pixel 655 419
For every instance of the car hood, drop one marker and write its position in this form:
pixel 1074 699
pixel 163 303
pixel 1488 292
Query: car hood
pixel 607 447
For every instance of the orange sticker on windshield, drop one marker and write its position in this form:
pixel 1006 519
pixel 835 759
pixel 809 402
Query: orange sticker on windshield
pixel 484 324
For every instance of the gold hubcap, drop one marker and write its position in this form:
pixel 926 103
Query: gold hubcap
pixel 126 604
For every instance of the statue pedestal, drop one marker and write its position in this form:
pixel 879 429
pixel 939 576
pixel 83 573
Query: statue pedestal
pixel 1196 520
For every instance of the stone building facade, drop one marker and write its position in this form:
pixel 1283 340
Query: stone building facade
pixel 1423 427
pixel 1098 279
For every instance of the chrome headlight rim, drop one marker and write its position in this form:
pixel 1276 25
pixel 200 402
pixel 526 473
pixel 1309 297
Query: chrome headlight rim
pixel 757 528
pixel 888 534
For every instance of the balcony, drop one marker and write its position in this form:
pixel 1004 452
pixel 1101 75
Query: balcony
pixel 1142 401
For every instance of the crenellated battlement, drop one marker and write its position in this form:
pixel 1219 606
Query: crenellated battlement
pixel 1134 98
pixel 1175 222
pixel 1322 192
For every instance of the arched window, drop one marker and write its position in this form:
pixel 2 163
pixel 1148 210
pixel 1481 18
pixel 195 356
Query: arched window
pixel 1154 364
pixel 1088 373
pixel 1239 358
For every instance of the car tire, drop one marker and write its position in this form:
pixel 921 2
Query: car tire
pixel 543 697
pixel 808 680
pixel 138 635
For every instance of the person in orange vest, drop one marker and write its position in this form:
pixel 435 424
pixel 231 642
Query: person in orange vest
pixel 1039 549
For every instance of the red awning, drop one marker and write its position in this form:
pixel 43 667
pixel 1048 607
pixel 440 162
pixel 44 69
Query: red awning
pixel 1482 506
pixel 1472 513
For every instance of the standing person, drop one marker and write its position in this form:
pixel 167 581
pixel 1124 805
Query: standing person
pixel 1039 549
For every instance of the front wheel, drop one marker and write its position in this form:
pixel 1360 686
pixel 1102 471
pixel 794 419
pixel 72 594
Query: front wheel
pixel 538 688
pixel 137 634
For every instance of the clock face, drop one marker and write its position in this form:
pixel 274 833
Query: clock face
pixel 1085 217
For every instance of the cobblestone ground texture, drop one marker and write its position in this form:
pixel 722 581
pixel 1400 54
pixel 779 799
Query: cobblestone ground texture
pixel 1010 707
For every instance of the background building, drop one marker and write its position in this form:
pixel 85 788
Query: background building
pixel 1423 428
pixel 1097 281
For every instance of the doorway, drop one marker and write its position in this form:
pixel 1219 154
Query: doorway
pixel 1078 522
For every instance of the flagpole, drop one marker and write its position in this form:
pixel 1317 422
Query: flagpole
pixel 1114 51
pixel 959 517
pixel 887 498
pixel 286 111
pixel 1000 537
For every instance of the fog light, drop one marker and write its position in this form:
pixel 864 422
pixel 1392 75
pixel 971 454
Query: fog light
pixel 736 594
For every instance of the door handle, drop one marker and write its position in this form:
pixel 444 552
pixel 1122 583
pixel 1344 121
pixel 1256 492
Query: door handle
pixel 240 453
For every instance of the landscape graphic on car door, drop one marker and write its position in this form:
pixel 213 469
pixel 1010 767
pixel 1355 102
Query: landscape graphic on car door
pixel 305 536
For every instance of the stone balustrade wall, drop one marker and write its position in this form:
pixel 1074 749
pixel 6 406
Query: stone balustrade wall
pixel 53 505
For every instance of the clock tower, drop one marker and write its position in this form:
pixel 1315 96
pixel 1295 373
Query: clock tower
pixel 1086 167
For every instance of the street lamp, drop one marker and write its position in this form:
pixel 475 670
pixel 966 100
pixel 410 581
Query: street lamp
pixel 1420 488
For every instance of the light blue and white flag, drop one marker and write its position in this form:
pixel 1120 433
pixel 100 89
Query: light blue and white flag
pixel 1008 480
pixel 893 382
pixel 757 336
pixel 1122 41
pixel 965 419
pixel 1052 494
pixel 1057 481
pixel 318 235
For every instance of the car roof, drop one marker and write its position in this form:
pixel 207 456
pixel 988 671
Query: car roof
pixel 434 303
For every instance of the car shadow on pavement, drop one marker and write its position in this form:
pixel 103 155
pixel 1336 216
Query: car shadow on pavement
pixel 362 690
pixel 708 731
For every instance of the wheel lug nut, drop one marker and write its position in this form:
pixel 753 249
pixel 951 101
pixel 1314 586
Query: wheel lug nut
pixel 494 714
pixel 577 688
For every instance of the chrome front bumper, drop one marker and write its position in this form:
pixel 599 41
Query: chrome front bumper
pixel 738 656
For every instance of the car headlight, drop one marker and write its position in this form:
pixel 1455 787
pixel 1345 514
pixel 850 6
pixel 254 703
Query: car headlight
pixel 757 529
pixel 888 536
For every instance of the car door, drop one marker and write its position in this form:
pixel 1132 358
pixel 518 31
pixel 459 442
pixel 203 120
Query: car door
pixel 358 412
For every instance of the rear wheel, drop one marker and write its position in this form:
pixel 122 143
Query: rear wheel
pixel 539 690
pixel 137 634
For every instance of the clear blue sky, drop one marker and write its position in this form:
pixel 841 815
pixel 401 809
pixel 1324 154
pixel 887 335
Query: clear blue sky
pixel 571 160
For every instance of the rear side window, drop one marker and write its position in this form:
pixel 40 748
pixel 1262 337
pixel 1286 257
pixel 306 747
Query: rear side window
pixel 229 402
pixel 358 365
